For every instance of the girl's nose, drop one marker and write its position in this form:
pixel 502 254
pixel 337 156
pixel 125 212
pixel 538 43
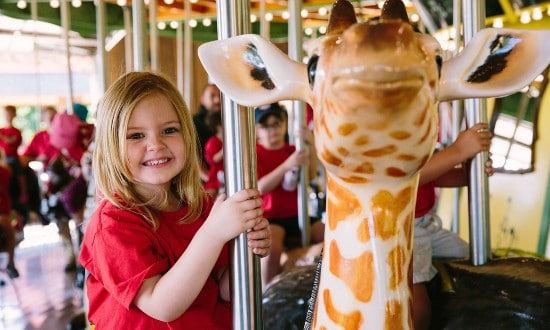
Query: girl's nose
pixel 155 142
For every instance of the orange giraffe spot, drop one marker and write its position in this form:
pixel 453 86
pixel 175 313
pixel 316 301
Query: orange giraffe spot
pixel 379 152
pixel 347 129
pixel 330 158
pixel 353 272
pixel 347 321
pixel 343 151
pixel 407 229
pixel 406 157
pixel 341 203
pixel 395 172
pixel 396 260
pixel 326 129
pixel 385 210
pixel 426 134
pixel 422 116
pixel 394 315
pixel 363 233
pixel 400 135
pixel 365 167
pixel 355 179
pixel 361 140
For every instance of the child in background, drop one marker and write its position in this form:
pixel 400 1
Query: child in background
pixel 277 168
pixel 446 168
pixel 213 153
pixel 10 140
pixel 156 247
pixel 6 227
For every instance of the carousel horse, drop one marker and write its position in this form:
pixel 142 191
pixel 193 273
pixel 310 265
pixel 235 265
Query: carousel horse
pixel 374 88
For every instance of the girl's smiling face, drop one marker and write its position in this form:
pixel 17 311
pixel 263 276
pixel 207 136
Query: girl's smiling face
pixel 154 145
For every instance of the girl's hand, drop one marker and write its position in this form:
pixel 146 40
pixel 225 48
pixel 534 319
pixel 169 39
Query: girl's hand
pixel 235 215
pixel 259 238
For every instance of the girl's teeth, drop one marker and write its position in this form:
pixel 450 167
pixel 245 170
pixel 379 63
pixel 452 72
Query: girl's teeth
pixel 156 162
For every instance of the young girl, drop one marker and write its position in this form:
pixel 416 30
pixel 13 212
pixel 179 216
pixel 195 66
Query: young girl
pixel 155 248
pixel 277 167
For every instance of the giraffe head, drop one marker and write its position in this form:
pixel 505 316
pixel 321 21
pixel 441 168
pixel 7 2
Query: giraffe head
pixel 374 87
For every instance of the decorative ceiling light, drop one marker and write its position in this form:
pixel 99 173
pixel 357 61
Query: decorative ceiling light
pixel 54 3
pixel 269 17
pixel 253 18
pixel 537 14
pixel 414 18
pixel 285 15
pixel 498 23
pixel 207 22
pixel 304 13
pixel 121 3
pixel 21 4
pixel 323 29
pixel 193 1
pixel 161 25
pixel 525 17
pixel 174 25
pixel 76 3
pixel 168 2
pixel 308 31
pixel 323 11
pixel 193 23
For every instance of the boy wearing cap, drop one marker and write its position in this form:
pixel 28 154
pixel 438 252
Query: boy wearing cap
pixel 278 163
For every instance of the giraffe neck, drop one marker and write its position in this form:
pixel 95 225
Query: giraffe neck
pixel 367 256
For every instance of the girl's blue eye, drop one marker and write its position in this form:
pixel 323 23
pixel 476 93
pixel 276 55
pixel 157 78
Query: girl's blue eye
pixel 170 130
pixel 135 136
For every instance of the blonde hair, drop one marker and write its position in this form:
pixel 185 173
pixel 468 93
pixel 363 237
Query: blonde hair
pixel 110 164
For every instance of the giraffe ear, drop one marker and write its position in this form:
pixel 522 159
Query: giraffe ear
pixel 253 72
pixel 496 62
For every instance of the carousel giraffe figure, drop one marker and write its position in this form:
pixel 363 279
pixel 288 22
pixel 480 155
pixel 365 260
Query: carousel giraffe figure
pixel 374 88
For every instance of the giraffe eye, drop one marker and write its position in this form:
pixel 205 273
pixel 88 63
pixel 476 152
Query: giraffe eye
pixel 439 61
pixel 312 69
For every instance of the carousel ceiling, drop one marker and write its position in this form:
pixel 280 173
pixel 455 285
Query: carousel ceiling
pixel 202 14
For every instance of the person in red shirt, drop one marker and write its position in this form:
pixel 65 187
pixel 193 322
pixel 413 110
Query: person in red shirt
pixel 213 153
pixel 446 168
pixel 156 247
pixel 10 140
pixel 277 166
pixel 7 231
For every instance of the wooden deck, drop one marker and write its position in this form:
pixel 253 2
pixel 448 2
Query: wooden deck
pixel 43 296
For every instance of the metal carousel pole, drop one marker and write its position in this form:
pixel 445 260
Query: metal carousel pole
pixel 139 24
pixel 295 52
pixel 240 164
pixel 478 192
pixel 66 23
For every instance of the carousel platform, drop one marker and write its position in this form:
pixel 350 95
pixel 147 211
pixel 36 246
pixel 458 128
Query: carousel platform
pixel 44 296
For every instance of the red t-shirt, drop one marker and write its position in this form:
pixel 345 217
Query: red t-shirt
pixel 11 148
pixel 40 146
pixel 5 202
pixel 120 250
pixel 425 199
pixel 278 203
pixel 212 147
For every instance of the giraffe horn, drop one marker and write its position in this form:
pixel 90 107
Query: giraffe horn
pixel 341 17
pixel 394 9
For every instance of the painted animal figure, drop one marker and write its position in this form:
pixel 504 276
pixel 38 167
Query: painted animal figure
pixel 374 88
